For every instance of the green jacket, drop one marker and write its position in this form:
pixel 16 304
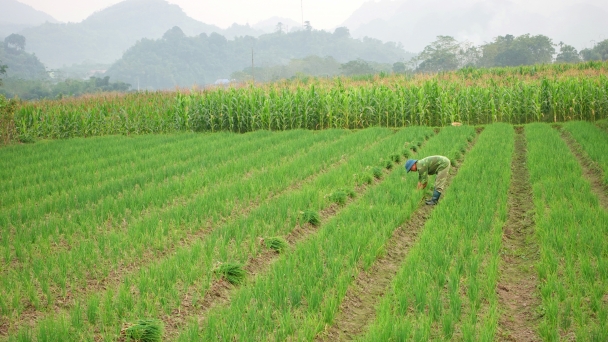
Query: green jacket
pixel 430 166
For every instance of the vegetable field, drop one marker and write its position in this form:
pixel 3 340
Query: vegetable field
pixel 307 235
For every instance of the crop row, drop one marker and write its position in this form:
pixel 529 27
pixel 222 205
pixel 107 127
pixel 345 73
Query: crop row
pixel 594 142
pixel 66 186
pixel 302 291
pixel 572 232
pixel 161 286
pixel 152 189
pixel 96 250
pixel 446 286
pixel 186 263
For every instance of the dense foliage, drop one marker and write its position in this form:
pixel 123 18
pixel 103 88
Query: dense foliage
pixel 446 53
pixel 550 93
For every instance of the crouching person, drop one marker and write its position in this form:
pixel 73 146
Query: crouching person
pixel 433 165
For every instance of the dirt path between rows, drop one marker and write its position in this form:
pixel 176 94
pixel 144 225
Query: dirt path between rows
pixel 518 280
pixel 358 308
pixel 591 171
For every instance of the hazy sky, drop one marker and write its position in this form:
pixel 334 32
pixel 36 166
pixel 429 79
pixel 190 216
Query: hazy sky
pixel 323 14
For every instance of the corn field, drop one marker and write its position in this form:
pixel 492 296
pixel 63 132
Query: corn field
pixel 544 93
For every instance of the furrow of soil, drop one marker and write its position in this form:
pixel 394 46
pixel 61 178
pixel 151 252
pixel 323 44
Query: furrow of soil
pixel 219 292
pixel 358 308
pixel 518 281
pixel 591 171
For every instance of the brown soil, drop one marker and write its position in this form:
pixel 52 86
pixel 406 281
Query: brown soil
pixel 592 172
pixel 358 307
pixel 517 283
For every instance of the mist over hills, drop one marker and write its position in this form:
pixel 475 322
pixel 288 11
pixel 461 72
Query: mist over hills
pixel 16 16
pixel 415 23
pixel 105 35
pixel 177 60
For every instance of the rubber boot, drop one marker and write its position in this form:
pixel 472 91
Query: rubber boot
pixel 435 199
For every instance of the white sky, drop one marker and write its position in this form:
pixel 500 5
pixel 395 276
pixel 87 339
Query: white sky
pixel 322 14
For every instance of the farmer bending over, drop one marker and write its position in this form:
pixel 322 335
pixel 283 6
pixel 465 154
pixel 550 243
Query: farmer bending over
pixel 433 165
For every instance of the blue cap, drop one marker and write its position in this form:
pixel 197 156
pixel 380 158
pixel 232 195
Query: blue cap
pixel 409 163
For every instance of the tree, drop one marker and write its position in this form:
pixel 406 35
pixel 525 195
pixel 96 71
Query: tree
pixel 2 71
pixel 307 26
pixel 15 42
pixel 598 53
pixel 174 34
pixel 399 68
pixel 342 32
pixel 280 28
pixel 514 51
pixel 441 55
pixel 358 67
pixel 567 54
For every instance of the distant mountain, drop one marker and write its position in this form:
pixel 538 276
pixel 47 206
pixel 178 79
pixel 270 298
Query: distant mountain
pixel 16 16
pixel 270 25
pixel 179 61
pixel 106 35
pixel 21 65
pixel 415 24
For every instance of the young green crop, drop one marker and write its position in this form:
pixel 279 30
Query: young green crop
pixel 300 300
pixel 572 231
pixel 276 243
pixel 451 271
pixel 594 142
pixel 245 232
pixel 144 330
pixel 152 230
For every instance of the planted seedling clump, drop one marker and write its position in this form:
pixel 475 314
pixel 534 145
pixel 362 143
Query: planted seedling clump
pixel 366 178
pixel 144 330
pixel 311 217
pixel 387 164
pixel 339 197
pixel 377 172
pixel 278 244
pixel 396 158
pixel 232 272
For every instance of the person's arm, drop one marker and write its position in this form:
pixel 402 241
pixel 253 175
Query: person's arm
pixel 423 178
